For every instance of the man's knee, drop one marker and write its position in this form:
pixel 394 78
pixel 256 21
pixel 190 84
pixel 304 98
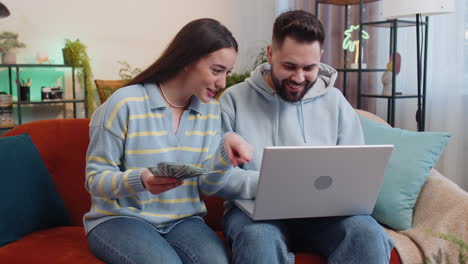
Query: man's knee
pixel 261 233
pixel 364 230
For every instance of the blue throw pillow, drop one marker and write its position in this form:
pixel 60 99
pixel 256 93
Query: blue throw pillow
pixel 29 200
pixel 414 155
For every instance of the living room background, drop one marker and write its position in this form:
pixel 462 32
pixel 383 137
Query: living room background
pixel 137 32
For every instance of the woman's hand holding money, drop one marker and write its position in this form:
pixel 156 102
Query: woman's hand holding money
pixel 156 184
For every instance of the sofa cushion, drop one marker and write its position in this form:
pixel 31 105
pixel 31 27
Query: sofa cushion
pixel 64 156
pixel 414 155
pixel 29 199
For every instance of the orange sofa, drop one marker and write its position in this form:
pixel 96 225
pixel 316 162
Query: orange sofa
pixel 62 145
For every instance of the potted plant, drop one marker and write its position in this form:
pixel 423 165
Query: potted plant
pixel 8 43
pixel 75 54
pixel 126 72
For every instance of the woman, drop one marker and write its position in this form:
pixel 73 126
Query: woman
pixel 165 114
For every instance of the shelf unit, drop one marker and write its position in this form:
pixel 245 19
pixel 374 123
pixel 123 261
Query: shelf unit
pixel 19 104
pixel 393 25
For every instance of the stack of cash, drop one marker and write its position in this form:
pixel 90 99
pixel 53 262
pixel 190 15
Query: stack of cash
pixel 178 171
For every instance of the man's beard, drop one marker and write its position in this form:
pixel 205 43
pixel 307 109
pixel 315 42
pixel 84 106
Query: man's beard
pixel 280 87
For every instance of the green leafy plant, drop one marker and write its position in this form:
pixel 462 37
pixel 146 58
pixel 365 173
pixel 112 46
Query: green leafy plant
pixel 9 41
pixel 440 257
pixel 261 58
pixel 235 78
pixel 75 54
pixel 126 72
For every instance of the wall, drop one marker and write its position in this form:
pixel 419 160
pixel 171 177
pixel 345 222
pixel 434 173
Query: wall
pixel 133 31
pixel 116 30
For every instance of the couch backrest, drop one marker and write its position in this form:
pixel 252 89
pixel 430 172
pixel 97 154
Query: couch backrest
pixel 62 144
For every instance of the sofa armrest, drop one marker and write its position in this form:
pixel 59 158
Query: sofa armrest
pixel 442 207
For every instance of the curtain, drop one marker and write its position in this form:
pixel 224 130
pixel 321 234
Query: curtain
pixel 447 89
pixel 447 75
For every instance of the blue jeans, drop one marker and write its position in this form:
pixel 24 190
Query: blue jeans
pixel 350 239
pixel 129 240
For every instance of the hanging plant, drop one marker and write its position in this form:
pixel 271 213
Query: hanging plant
pixel 75 54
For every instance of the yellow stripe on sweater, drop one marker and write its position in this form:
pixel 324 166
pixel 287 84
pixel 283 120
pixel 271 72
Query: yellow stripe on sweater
pixel 168 201
pixel 103 160
pixel 200 133
pixel 203 117
pixel 155 151
pixel 196 165
pixel 114 183
pixel 91 173
pixel 125 179
pixel 223 161
pixel 193 149
pixel 173 216
pixel 209 182
pixel 101 180
pixel 147 133
pixel 147 115
pixel 104 212
pixel 212 102
pixel 190 183
pixel 117 107
pixel 149 151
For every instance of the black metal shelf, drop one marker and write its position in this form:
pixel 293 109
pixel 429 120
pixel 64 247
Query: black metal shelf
pixel 49 102
pixel 390 96
pixel 19 104
pixel 36 66
pixel 393 25
pixel 361 70
pixel 342 2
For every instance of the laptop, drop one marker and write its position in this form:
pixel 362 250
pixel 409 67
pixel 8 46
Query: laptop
pixel 318 181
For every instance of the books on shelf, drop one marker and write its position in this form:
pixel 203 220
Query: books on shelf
pixel 6 111
pixel 51 93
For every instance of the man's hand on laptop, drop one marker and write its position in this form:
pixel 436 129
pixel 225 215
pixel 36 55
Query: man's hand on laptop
pixel 239 151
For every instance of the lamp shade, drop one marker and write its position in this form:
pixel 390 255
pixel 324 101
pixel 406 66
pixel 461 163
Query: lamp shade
pixel 392 9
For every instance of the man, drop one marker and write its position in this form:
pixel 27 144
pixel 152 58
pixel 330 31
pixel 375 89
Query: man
pixel 291 101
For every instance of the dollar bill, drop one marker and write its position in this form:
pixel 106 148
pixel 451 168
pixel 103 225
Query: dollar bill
pixel 178 171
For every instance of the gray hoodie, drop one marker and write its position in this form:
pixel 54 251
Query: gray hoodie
pixel 255 111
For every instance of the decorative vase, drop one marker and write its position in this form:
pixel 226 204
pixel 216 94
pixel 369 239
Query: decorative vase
pixel 24 93
pixel 355 66
pixel 387 83
pixel 9 57
pixel 67 57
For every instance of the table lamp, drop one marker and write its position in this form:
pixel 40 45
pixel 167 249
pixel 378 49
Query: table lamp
pixel 394 9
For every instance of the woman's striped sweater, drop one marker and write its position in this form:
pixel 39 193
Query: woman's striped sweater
pixel 132 130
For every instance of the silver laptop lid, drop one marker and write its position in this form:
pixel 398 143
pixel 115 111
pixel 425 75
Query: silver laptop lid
pixel 319 181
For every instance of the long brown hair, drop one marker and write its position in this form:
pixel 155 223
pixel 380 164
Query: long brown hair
pixel 195 40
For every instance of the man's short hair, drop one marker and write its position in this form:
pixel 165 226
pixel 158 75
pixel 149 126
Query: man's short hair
pixel 299 25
